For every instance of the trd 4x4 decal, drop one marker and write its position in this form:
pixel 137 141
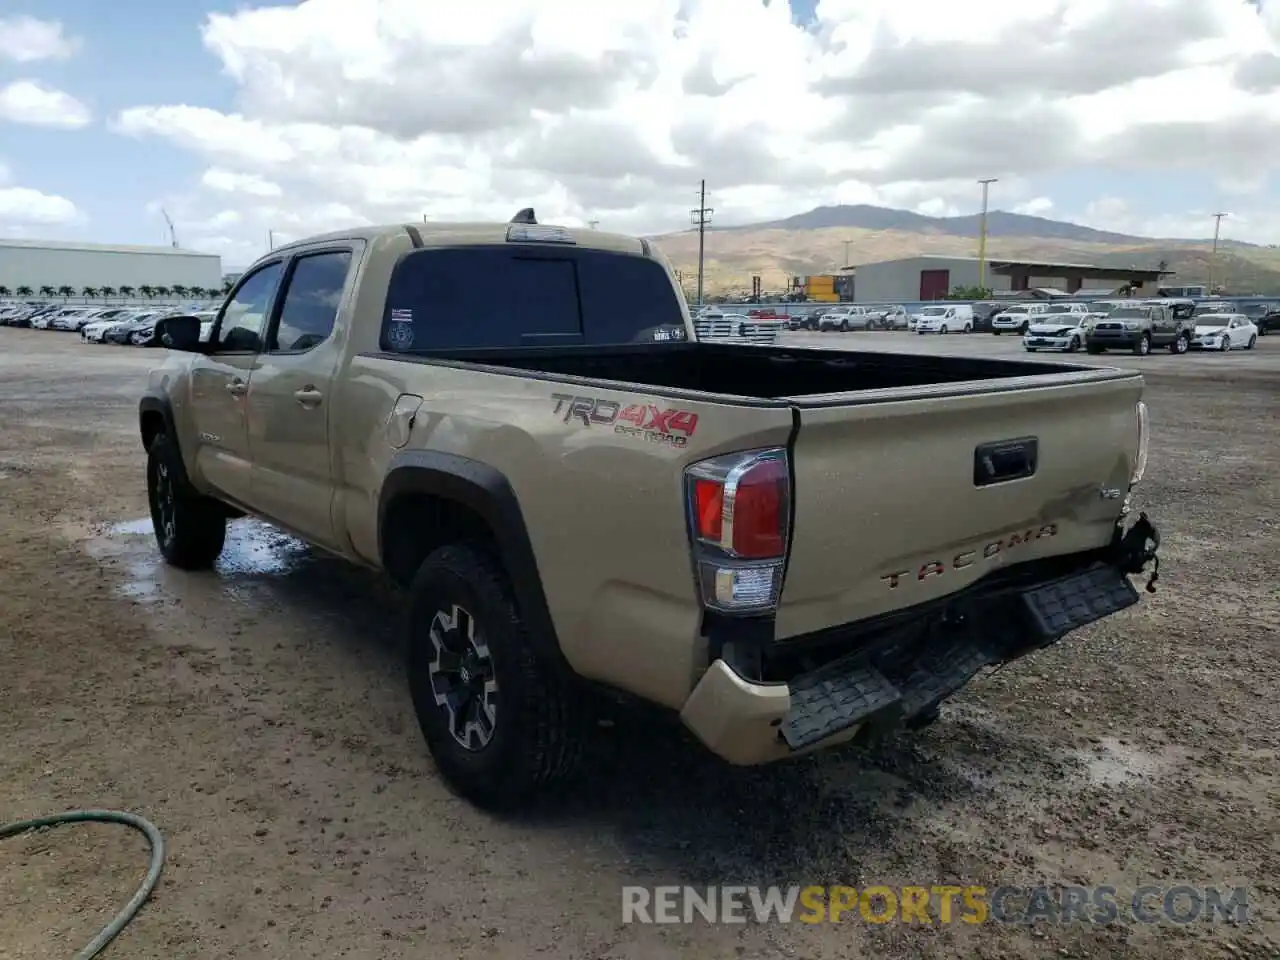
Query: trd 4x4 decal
pixel 644 420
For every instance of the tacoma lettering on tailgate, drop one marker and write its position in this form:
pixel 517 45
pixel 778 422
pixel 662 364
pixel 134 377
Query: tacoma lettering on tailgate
pixel 643 420
pixel 967 558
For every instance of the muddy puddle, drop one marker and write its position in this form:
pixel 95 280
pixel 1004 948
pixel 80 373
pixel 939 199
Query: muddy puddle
pixel 261 572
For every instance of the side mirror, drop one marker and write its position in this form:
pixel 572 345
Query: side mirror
pixel 180 333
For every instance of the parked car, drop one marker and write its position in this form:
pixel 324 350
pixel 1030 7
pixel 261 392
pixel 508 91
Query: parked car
pixel 953 318
pixel 889 316
pixel 96 331
pixel 714 325
pixel 122 333
pixel 1059 328
pixel 1016 318
pixel 1142 326
pixel 983 311
pixel 1265 314
pixel 846 318
pixel 395 442
pixel 1224 331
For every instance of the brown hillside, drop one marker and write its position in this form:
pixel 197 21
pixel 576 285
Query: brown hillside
pixel 733 256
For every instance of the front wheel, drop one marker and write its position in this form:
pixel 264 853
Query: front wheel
pixel 1090 348
pixel 995 331
pixel 1226 344
pixel 1073 345
pixel 1143 345
pixel 502 723
pixel 942 329
pixel 190 528
pixel 1253 341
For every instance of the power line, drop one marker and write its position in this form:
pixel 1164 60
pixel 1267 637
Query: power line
pixel 700 218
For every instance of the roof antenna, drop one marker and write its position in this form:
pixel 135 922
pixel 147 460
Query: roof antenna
pixel 524 216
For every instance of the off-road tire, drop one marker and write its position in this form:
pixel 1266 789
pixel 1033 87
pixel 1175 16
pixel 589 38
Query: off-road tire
pixel 1181 344
pixel 541 717
pixel 1143 346
pixel 1090 348
pixel 191 532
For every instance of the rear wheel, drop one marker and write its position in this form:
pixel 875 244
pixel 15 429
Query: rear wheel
pixel 190 528
pixel 968 328
pixel 502 723
pixel 943 328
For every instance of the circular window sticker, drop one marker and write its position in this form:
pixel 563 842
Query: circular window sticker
pixel 401 334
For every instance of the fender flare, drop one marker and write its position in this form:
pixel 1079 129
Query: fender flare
pixel 158 403
pixel 489 494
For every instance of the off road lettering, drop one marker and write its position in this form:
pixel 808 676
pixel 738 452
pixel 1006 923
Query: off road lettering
pixel 936 568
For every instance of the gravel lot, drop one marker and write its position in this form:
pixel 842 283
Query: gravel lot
pixel 258 716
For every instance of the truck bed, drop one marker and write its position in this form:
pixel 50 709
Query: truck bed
pixel 774 373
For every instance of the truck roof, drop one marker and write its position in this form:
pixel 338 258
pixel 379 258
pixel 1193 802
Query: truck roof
pixel 446 234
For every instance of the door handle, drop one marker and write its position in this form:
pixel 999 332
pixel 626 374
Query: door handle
pixel 308 396
pixel 237 388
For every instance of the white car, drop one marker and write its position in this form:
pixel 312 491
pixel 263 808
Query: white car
pixel 1017 318
pixel 847 318
pixel 952 319
pixel 1061 327
pixel 1224 331
pixel 96 329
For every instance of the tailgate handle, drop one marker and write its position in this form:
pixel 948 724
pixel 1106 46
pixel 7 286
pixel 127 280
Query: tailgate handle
pixel 1005 460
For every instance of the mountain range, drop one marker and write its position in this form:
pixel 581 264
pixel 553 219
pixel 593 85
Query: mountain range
pixel 819 241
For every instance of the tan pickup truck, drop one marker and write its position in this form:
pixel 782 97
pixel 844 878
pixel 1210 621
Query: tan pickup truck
pixel 789 548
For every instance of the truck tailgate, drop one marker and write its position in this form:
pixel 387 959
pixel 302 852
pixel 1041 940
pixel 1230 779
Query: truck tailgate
pixel 901 501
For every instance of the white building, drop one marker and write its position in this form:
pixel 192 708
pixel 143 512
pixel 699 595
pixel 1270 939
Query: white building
pixel 933 277
pixel 48 263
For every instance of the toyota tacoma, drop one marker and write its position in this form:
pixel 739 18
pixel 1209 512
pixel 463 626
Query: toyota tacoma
pixel 518 424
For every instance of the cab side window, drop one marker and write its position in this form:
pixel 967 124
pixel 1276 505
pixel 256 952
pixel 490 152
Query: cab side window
pixel 311 301
pixel 244 318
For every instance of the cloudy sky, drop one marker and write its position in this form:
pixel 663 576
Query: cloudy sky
pixel 1143 116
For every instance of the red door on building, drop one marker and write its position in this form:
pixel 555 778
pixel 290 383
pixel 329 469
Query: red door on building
pixel 934 284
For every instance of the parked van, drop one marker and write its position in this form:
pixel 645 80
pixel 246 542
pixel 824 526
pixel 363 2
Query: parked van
pixel 952 318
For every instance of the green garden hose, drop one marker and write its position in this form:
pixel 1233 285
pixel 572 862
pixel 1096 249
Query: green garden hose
pixel 146 827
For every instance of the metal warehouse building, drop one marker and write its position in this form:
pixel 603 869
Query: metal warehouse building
pixel 933 277
pixel 46 263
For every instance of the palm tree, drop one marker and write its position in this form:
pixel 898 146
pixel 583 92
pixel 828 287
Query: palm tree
pixel 24 291
pixel 147 290
pixel 197 293
pixel 179 290
pixel 89 293
pixel 162 291
pixel 108 291
pixel 226 286
pixel 127 291
pixel 4 291
pixel 47 291
pixel 65 291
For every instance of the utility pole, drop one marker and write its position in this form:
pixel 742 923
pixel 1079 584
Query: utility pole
pixel 846 253
pixel 271 239
pixel 982 234
pixel 700 218
pixel 1213 258
pixel 593 224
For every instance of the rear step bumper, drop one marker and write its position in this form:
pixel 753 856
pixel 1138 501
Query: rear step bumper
pixel 871 691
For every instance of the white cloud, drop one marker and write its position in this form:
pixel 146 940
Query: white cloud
pixel 228 181
pixel 25 39
pixel 22 205
pixel 368 110
pixel 27 101
pixel 1035 207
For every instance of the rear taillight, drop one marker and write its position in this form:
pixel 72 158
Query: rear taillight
pixel 739 510
pixel 1144 440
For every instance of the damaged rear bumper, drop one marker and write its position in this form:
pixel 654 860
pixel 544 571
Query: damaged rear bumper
pixel 884 678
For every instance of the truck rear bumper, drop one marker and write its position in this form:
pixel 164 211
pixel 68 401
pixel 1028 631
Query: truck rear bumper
pixel 907 671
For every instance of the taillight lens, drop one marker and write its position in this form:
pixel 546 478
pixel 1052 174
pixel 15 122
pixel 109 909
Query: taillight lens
pixel 739 512
pixel 1144 435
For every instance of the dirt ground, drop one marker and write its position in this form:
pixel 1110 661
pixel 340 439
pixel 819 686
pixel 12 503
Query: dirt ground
pixel 259 717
